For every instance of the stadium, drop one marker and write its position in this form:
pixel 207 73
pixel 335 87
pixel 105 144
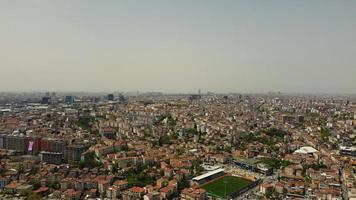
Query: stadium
pixel 221 185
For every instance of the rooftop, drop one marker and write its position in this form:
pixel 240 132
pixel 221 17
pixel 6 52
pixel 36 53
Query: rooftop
pixel 208 174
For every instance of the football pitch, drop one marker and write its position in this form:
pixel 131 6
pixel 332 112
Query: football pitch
pixel 233 184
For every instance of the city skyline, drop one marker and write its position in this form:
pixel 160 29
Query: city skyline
pixel 175 47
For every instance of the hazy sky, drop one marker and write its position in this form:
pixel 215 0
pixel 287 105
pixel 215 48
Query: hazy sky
pixel 178 46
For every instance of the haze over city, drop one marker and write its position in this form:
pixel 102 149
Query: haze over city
pixel 178 46
pixel 177 100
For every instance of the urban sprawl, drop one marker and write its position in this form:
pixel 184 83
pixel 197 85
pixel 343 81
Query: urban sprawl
pixel 193 147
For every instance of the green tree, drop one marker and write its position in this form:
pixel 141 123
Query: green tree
pixel 275 132
pixel 325 133
pixel 184 183
pixel 36 183
pixel 56 185
pixel 90 161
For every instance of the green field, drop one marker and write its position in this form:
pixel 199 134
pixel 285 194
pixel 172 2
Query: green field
pixel 233 184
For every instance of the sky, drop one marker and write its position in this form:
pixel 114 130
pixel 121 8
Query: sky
pixel 178 46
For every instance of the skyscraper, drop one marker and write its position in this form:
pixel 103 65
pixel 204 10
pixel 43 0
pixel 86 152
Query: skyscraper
pixel 69 99
pixel 110 97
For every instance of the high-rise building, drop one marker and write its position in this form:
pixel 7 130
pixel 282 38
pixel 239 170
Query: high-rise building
pixel 194 97
pixel 51 157
pixel 3 141
pixel 108 132
pixel 33 145
pixel 121 98
pixel 300 119
pixel 110 97
pixel 74 152
pixel 69 99
pixel 53 145
pixel 16 143
pixel 45 100
pixel 21 143
pixel 287 119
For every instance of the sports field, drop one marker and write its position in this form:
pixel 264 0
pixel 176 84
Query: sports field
pixel 233 184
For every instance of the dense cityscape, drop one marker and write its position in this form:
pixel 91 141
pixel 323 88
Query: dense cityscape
pixel 155 146
pixel 177 100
